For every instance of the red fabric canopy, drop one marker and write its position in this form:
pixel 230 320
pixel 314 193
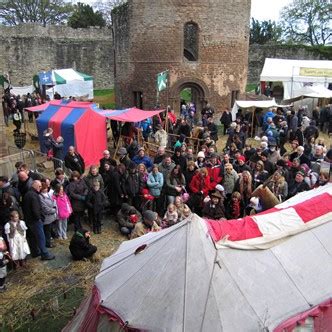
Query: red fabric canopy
pixel 130 114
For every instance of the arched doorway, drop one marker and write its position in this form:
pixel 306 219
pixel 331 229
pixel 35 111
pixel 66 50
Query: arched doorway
pixel 189 90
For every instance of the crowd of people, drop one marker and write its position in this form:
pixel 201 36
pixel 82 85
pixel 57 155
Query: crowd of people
pixel 145 193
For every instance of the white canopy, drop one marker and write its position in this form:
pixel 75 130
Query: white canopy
pixel 316 91
pixel 253 103
pixel 285 70
pixel 68 82
pixel 295 73
pixel 22 90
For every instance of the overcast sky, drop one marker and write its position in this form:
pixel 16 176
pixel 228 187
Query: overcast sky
pixel 264 10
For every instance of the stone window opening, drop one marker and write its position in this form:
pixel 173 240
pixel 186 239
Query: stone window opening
pixel 190 43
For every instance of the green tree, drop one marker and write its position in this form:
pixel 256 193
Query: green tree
pixel 14 12
pixel 264 32
pixel 84 16
pixel 307 22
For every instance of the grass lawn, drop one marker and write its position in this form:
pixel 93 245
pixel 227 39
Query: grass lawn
pixel 250 87
pixel 105 98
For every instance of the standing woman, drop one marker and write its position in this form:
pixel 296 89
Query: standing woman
pixel 260 175
pixel 77 191
pixel 199 186
pixel 48 212
pixel 155 184
pixel 278 185
pixel 175 184
pixel 245 187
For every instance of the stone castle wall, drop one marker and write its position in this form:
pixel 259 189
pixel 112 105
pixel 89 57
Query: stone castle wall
pixel 28 49
pixel 142 51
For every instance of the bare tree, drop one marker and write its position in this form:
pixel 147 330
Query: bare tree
pixel 106 7
pixel 14 12
pixel 307 21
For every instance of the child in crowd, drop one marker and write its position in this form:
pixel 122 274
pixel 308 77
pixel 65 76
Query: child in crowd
pixel 15 231
pixel 235 208
pixel 4 260
pixel 171 216
pixel 64 210
pixel 214 208
pixel 179 204
pixel 186 212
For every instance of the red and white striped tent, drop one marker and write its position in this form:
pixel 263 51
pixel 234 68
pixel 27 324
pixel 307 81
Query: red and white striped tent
pixel 184 281
pixel 264 230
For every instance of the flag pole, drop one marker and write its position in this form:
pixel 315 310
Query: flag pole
pixel 167 93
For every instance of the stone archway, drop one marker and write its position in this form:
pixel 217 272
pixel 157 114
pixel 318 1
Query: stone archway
pixel 200 93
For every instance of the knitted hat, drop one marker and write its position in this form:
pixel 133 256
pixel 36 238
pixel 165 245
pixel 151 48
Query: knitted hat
pixel 149 215
pixel 219 187
pixel 122 151
pixel 200 154
pixel 125 208
pixel 243 158
pixel 301 172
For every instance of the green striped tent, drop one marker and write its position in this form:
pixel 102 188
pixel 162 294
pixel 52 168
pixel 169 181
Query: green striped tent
pixel 67 82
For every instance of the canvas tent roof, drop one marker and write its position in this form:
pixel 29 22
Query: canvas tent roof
pixel 67 82
pixel 130 114
pixel 78 123
pixel 253 103
pixel 126 115
pixel 285 70
pixel 316 91
pixel 182 282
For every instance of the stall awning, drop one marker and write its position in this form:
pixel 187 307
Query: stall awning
pixel 130 114
pixel 253 103
pixel 284 70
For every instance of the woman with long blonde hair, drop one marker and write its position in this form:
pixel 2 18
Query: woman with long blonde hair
pixel 244 186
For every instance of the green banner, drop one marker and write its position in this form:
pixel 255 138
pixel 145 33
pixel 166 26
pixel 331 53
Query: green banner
pixel 162 81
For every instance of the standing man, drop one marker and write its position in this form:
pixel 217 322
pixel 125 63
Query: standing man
pixel 226 119
pixel 74 161
pixel 32 214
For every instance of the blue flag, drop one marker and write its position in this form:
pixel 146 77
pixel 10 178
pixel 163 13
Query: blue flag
pixel 45 78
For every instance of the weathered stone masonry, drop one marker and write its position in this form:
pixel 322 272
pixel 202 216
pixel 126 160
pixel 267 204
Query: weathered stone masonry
pixel 28 49
pixel 148 38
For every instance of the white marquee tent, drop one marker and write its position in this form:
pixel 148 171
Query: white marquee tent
pixel 295 74
pixel 68 82
pixel 180 280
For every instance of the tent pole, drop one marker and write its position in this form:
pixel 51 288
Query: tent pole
pixel 252 122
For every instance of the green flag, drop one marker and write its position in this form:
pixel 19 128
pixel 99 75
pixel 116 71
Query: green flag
pixel 3 80
pixel 162 81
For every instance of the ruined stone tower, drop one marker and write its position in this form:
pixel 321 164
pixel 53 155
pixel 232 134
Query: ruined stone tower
pixel 203 44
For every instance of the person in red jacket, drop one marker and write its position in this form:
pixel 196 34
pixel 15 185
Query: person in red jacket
pixel 199 186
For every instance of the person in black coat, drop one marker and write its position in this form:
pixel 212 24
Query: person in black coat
pixel 212 129
pixel 96 201
pixel 298 184
pixel 106 158
pixel 179 159
pixel 80 246
pixel 33 219
pixel 74 161
pixel 226 119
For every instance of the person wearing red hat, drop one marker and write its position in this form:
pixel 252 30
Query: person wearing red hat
pixel 240 165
